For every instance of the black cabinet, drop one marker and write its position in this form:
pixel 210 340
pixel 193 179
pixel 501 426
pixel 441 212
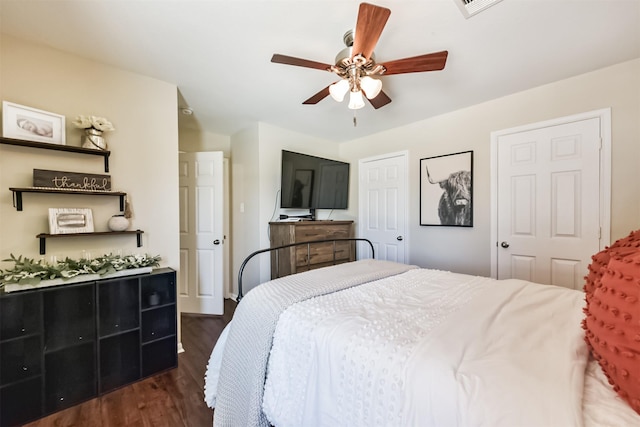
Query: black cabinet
pixel 62 345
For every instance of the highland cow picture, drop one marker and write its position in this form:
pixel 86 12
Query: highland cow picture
pixel 446 190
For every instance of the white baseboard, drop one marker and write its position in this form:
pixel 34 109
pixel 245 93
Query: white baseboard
pixel 180 348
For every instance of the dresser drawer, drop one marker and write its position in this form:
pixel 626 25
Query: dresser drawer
pixel 308 233
pixel 322 253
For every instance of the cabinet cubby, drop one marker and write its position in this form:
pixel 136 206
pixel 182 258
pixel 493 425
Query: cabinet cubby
pixel 163 291
pixel 119 360
pixel 157 356
pixel 69 313
pixel 21 402
pixel 20 359
pixel 158 323
pixel 119 302
pixel 71 376
pixel 20 315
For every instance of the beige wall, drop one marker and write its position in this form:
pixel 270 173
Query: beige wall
pixel 255 158
pixel 192 141
pixel 467 250
pixel 143 162
pixel 245 206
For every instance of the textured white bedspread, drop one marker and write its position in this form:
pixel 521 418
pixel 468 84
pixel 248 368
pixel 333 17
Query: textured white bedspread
pixel 243 364
pixel 430 348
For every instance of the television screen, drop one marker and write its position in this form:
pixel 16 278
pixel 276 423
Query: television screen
pixel 310 182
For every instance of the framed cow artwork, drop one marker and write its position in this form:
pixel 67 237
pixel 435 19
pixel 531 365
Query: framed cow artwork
pixel 446 190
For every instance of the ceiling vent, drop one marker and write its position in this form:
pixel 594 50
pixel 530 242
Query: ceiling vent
pixel 472 7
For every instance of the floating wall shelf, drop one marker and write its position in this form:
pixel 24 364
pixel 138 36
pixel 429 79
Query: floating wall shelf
pixel 44 236
pixel 17 194
pixel 58 147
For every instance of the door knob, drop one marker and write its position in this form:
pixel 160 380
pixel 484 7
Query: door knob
pixel 504 245
pixel 216 242
pixel 399 238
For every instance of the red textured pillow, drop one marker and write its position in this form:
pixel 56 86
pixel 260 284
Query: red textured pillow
pixel 598 261
pixel 623 246
pixel 612 325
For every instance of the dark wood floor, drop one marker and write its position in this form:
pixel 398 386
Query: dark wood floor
pixel 171 399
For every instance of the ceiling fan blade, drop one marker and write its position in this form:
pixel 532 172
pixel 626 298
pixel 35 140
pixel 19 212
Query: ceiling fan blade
pixel 371 22
pixel 299 62
pixel 318 96
pixel 429 62
pixel 380 101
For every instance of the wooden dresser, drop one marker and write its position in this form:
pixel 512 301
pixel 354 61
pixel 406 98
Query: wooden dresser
pixel 307 257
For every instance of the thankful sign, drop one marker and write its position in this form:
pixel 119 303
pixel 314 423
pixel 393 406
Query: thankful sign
pixel 71 180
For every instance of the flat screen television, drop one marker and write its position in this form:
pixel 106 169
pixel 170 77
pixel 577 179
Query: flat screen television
pixel 310 182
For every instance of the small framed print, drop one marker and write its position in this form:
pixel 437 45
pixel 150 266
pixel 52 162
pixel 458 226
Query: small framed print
pixel 30 124
pixel 70 220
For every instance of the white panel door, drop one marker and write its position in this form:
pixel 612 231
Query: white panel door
pixel 383 205
pixel 548 213
pixel 201 233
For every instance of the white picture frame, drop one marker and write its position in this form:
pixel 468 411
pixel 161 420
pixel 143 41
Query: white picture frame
pixel 31 124
pixel 70 220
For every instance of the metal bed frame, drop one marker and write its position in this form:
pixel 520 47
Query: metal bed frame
pixel 308 244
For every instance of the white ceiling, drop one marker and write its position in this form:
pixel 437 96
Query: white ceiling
pixel 218 52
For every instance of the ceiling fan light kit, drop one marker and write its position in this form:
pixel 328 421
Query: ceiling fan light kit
pixel 370 86
pixel 356 63
pixel 339 89
pixel 356 101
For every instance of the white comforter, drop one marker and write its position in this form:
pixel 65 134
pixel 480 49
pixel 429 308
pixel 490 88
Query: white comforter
pixel 430 348
pixel 435 348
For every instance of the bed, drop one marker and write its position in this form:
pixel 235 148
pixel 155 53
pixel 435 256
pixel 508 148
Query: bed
pixel 380 343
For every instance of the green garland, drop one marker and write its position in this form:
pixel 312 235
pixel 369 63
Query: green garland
pixel 28 271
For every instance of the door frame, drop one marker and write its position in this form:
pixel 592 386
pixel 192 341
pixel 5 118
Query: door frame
pixel 361 201
pixel 605 174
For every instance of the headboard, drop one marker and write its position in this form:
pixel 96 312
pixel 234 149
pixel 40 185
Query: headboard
pixel 308 244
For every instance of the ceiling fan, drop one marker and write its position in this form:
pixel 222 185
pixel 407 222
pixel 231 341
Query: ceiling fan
pixel 356 63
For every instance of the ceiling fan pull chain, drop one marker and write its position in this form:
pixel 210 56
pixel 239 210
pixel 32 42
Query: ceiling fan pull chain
pixel 355 120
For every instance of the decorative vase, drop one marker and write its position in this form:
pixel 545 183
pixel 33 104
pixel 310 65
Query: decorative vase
pixel 93 138
pixel 118 223
pixel 154 298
